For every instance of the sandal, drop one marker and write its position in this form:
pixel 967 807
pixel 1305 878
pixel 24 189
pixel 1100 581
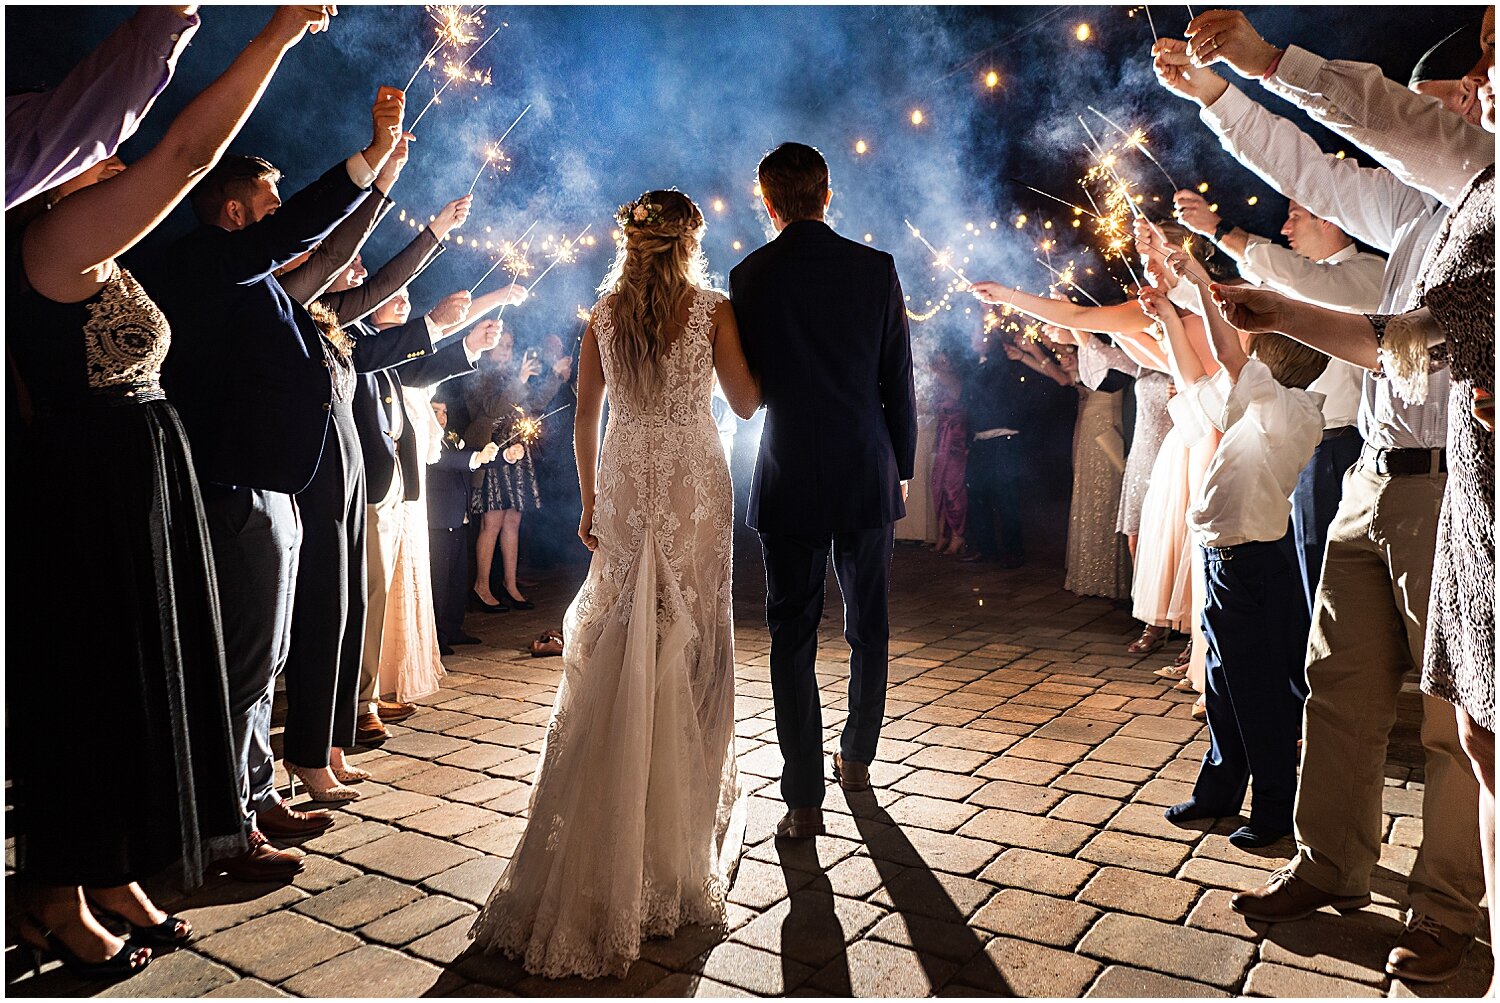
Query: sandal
pixel 174 931
pixel 1186 655
pixel 550 643
pixel 1152 637
pixel 1171 673
pixel 129 960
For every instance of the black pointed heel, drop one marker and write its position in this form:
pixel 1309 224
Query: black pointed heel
pixel 476 603
pixel 174 931
pixel 514 603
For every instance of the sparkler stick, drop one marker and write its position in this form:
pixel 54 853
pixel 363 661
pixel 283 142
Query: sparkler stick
pixel 1154 36
pixel 426 60
pixel 1063 277
pixel 1136 140
pixel 495 153
pixel 1104 161
pixel 501 260
pixel 454 25
pixel 451 76
pixel 1123 257
pixel 939 257
pixel 564 253
pixel 1054 198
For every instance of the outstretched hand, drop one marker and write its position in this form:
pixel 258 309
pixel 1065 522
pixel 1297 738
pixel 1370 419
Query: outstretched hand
pixel 452 216
pixel 452 309
pixel 990 292
pixel 1194 212
pixel 1251 309
pixel 1228 36
pixel 1176 72
pixel 290 23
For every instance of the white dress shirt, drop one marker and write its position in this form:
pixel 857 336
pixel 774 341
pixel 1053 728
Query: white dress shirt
pixel 1424 144
pixel 1270 432
pixel 1348 279
pixel 1370 205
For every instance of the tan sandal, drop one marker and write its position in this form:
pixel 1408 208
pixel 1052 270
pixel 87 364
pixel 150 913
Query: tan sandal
pixel 550 643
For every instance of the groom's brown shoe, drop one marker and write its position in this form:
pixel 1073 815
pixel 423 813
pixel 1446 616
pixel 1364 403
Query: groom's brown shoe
pixel 851 776
pixel 801 823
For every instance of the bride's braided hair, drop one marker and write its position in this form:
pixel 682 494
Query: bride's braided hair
pixel 658 262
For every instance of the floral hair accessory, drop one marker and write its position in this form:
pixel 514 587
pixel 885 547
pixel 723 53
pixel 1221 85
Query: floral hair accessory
pixel 640 213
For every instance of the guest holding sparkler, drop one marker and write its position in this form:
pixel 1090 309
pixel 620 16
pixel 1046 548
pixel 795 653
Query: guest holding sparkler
pixel 149 674
pixel 1380 549
pixel 497 396
pixel 255 387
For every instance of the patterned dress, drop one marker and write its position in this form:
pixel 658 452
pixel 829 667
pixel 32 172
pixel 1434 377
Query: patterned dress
pixel 636 821
pixel 117 705
pixel 1098 562
pixel 1458 287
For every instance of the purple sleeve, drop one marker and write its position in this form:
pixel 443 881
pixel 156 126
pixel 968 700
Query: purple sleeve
pixel 56 135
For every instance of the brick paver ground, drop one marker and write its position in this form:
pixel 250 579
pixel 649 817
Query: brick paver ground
pixel 1014 844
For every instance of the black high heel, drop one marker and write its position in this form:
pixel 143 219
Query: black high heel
pixel 121 966
pixel 521 604
pixel 174 931
pixel 476 603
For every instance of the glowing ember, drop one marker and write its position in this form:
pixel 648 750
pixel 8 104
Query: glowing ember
pixel 917 117
pixel 861 147
pixel 1083 32
pixel 992 80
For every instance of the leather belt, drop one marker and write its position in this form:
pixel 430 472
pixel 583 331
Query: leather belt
pixel 1407 462
pixel 1342 432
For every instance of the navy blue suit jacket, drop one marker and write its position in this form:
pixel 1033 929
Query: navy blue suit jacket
pixel 247 370
pixel 448 485
pixel 823 322
pixel 379 394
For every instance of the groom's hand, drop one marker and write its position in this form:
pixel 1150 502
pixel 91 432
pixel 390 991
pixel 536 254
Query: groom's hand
pixel 905 490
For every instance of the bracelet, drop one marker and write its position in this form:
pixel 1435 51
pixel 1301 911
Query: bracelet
pixel 1222 230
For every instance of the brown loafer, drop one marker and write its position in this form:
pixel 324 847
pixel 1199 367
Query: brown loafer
pixel 851 776
pixel 1286 897
pixel 284 821
pixel 369 731
pixel 262 862
pixel 1427 951
pixel 391 712
pixel 801 823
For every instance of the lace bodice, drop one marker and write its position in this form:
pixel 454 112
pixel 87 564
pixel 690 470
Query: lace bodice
pixel 687 380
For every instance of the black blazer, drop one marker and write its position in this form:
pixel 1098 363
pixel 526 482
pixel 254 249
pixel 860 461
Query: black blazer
pixel 378 395
pixel 823 322
pixel 246 370
pixel 448 485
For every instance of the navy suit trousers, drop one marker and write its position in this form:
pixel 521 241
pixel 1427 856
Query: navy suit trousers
pixel 796 570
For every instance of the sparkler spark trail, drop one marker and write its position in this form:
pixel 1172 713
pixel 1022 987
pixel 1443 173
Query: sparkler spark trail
pixel 513 257
pixel 1065 277
pixel 456 27
pixel 566 252
pixel 1136 140
pixel 528 430
pixel 940 258
pixel 454 72
pixel 495 152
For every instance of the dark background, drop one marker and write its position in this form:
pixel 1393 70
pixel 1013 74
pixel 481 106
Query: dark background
pixel 625 99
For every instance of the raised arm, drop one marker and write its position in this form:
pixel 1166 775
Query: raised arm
pixel 1367 203
pixel 66 250
pixel 1117 319
pixel 586 430
pixel 1187 368
pixel 741 388
pixel 53 136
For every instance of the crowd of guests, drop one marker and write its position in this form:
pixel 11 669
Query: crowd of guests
pixel 287 499
pixel 1309 488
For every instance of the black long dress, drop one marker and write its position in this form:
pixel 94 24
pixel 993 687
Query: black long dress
pixel 117 707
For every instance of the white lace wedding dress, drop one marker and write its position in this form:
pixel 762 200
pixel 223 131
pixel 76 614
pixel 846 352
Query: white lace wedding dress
pixel 635 819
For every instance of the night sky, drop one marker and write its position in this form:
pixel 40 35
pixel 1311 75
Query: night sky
pixel 626 99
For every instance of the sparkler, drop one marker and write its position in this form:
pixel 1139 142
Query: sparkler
pixel 454 72
pixel 1136 140
pixel 513 257
pixel 495 153
pixel 1154 36
pixel 943 259
pixel 456 27
pixel 1066 277
pixel 528 430
pixel 1078 209
pixel 565 253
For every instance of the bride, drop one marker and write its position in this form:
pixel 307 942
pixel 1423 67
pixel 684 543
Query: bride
pixel 636 820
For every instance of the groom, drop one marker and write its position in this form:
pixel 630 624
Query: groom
pixel 823 322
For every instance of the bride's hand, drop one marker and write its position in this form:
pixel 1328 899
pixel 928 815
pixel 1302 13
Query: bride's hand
pixel 585 527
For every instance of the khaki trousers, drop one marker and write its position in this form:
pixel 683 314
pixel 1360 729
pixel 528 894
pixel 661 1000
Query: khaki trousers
pixel 381 536
pixel 1367 634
